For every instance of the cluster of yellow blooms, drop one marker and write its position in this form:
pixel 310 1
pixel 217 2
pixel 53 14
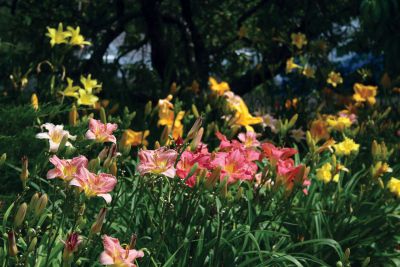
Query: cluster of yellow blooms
pixel 242 115
pixel 71 36
pixel 365 93
pixel 394 186
pixel 168 118
pixel 346 147
pixel 85 96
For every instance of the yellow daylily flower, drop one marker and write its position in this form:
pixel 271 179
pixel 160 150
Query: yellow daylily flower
pixel 338 123
pixel 90 85
pixel 309 72
pixel 365 93
pixel 218 88
pixel 325 173
pixel 177 129
pixel 58 36
pixel 346 147
pixel 290 65
pixel 134 138
pixel 380 168
pixel 334 78
pixel 298 39
pixel 242 116
pixel 87 99
pixel 71 90
pixel 394 186
pixel 76 37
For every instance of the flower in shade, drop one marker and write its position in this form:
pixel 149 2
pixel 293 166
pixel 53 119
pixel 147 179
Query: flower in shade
pixel 34 102
pixel 115 255
pixel 234 166
pixel 55 135
pixel 94 184
pixel 275 154
pixel 159 161
pixel 394 186
pixel 218 88
pixel 346 147
pixel 65 169
pixel 71 245
pixel 271 122
pixel 298 134
pixel 76 37
pixel 308 71
pixel 334 78
pixel 290 65
pixel 365 93
pixel 101 132
pixel 134 138
pixel 58 36
pixel 298 39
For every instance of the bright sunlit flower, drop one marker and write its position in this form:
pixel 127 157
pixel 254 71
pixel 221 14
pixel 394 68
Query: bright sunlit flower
pixel 66 169
pixel 101 132
pixel 55 135
pixel 117 256
pixel 134 138
pixel 298 39
pixel 58 36
pixel 89 84
pixel 218 88
pixel 394 186
pixel 94 184
pixel 324 173
pixel 76 37
pixel 276 154
pixel 365 93
pixel 334 78
pixel 346 147
pixel 290 65
pixel 71 90
pixel 86 99
pixel 159 161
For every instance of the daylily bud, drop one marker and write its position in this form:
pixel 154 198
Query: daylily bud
pixel 24 171
pixel 192 170
pixel 347 254
pixel 214 177
pixel 63 142
pixel 20 215
pixel 34 201
pixel 366 262
pixel 3 159
pixel 41 205
pixel 35 102
pixel 164 135
pixel 148 108
pixel 173 89
pixel 94 164
pixel 98 224
pixel 113 168
pixel 339 264
pixel 293 120
pixel 32 245
pixel 195 128
pixel 195 111
pixel 132 244
pixel 12 245
pixel 197 139
pixel 73 115
pixel 103 116
pixel 103 154
pixel 71 246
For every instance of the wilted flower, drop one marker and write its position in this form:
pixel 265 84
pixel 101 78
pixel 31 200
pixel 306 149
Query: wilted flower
pixel 334 78
pixel 101 132
pixel 94 184
pixel 346 147
pixel 58 36
pixel 365 93
pixel 55 135
pixel 298 134
pixel 271 122
pixel 159 161
pixel 71 245
pixel 116 255
pixel 218 88
pixel 66 169
pixel 298 39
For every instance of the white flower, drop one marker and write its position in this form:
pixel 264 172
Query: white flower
pixel 298 134
pixel 55 135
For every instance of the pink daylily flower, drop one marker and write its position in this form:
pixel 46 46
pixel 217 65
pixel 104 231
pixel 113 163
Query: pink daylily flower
pixel 251 153
pixel 94 184
pixel 275 154
pixel 66 169
pixel 55 134
pixel 159 161
pixel 188 159
pixel 249 139
pixel 116 255
pixel 234 166
pixel 101 132
pixel 289 175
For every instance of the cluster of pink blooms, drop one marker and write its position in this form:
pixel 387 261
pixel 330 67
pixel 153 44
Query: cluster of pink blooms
pixel 235 158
